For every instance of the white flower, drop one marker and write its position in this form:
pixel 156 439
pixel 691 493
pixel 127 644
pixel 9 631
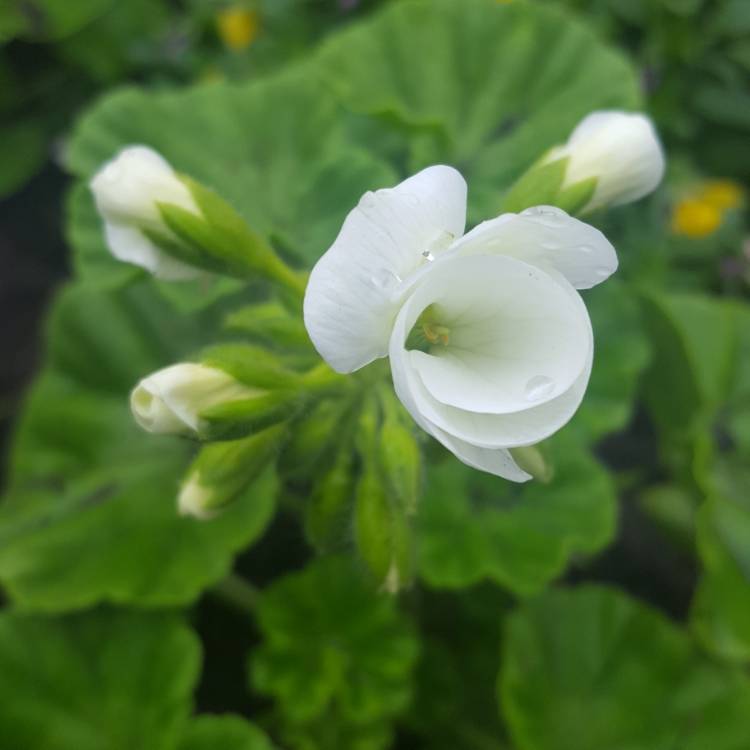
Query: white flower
pixel 171 400
pixel 620 149
pixel 508 339
pixel 126 190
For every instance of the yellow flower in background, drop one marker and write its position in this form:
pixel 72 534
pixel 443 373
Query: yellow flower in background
pixel 702 212
pixel 237 27
pixel 693 217
pixel 722 194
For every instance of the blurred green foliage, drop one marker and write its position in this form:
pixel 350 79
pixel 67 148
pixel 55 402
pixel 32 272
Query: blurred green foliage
pixel 105 583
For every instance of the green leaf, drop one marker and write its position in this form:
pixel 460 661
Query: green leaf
pixel 43 20
pixel 693 339
pixel 721 608
pixel 485 86
pixel 103 680
pixel 92 495
pixel 336 656
pixel 621 354
pixel 225 732
pixel 274 149
pixel 22 151
pixel 589 668
pixel 473 526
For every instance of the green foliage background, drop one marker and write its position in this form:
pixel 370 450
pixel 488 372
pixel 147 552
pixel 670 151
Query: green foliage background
pixel 607 609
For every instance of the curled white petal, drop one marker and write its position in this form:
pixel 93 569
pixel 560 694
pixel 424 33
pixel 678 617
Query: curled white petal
pixel 621 149
pixel 547 237
pixel 126 191
pixel 353 293
pixel 517 338
pixel 170 401
pixel 514 368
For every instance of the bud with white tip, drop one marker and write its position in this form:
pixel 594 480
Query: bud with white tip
pixel 619 150
pixel 127 190
pixel 170 401
pixel 223 472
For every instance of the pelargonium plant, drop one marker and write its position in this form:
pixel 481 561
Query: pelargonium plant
pixel 479 339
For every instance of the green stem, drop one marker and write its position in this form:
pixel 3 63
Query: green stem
pixel 237 592
pixel 279 271
pixel 323 378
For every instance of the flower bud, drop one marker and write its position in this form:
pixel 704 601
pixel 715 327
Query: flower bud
pixel 170 401
pixel 400 458
pixel 127 191
pixel 620 150
pixel 223 471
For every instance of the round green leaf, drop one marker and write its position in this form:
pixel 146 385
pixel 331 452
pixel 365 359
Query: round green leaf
pixel 224 732
pixel 485 86
pixel 336 655
pixel 721 608
pixel 473 526
pixel 91 512
pixel 590 668
pixel 102 680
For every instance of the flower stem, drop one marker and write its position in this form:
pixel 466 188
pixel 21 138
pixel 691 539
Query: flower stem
pixel 237 592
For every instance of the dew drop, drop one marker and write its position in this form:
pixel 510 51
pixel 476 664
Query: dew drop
pixel 427 255
pixel 384 279
pixel 538 387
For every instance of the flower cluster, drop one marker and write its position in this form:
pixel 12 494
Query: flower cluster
pixel 489 342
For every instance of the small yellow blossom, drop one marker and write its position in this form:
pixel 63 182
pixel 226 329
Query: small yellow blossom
pixel 694 217
pixel 722 194
pixel 237 27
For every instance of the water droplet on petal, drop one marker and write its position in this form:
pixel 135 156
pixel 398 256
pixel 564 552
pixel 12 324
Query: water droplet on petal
pixel 385 279
pixel 427 255
pixel 538 387
pixel 542 211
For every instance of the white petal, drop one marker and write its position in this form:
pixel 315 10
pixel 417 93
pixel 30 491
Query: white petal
pixel 129 244
pixel 353 293
pixel 494 461
pixel 497 461
pixel 513 430
pixel 547 237
pixel 517 338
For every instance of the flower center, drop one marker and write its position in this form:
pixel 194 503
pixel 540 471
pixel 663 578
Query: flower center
pixel 428 331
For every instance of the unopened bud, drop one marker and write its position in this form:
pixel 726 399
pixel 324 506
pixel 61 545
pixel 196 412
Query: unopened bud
pixel 171 400
pixel 127 191
pixel 328 511
pixel 223 471
pixel 400 458
pixel 382 532
pixel 531 459
pixel 619 150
